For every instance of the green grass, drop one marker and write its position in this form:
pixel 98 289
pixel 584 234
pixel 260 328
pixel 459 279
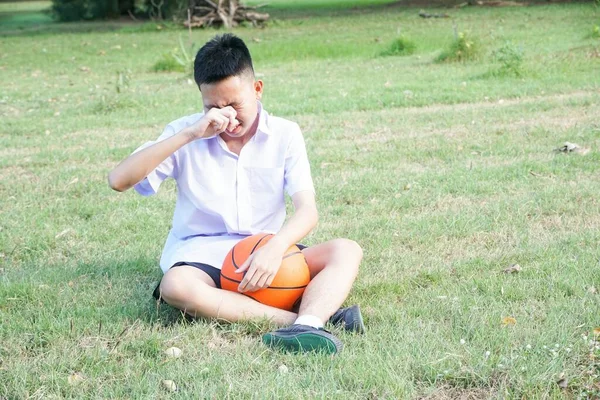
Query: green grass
pixel 444 174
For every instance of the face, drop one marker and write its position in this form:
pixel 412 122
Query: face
pixel 239 92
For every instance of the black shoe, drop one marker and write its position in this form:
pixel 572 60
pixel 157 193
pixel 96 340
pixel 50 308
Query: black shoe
pixel 302 338
pixel 349 318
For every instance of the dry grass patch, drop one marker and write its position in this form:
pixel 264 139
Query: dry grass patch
pixel 452 393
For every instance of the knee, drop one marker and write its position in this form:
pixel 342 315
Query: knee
pixel 172 287
pixel 349 248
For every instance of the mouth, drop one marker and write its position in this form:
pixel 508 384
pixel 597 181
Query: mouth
pixel 235 132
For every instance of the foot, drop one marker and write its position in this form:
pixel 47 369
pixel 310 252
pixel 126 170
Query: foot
pixel 303 338
pixel 349 318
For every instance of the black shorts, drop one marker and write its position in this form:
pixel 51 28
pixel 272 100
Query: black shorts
pixel 213 272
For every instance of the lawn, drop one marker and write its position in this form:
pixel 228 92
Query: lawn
pixel 445 173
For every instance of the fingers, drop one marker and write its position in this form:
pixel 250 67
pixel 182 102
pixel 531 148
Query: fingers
pixel 222 119
pixel 258 280
pixel 229 112
pixel 254 279
pixel 230 121
pixel 262 281
pixel 231 115
pixel 261 268
pixel 270 280
pixel 219 123
pixel 247 284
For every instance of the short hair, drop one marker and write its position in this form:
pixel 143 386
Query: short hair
pixel 220 58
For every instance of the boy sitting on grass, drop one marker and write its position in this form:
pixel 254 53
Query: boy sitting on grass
pixel 232 164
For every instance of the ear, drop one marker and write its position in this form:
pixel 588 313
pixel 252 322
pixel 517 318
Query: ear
pixel 258 89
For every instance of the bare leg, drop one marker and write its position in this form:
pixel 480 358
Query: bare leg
pixel 193 291
pixel 333 266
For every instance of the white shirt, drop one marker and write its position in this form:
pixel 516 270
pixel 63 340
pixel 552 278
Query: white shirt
pixel 223 197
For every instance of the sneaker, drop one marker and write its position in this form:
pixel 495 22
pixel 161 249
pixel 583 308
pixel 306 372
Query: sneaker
pixel 303 338
pixel 349 318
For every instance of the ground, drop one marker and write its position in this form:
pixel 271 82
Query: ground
pixel 446 174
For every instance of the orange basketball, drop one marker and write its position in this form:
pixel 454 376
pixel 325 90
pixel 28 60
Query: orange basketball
pixel 287 286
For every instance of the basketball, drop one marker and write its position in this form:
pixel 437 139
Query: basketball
pixel 287 286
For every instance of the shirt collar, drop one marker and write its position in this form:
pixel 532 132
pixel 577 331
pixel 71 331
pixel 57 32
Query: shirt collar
pixel 263 120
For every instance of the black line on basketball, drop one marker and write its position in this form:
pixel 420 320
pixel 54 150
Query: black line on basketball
pixel 229 279
pixel 257 243
pixel 291 254
pixel 269 287
pixel 233 257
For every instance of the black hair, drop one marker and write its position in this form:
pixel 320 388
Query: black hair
pixel 221 57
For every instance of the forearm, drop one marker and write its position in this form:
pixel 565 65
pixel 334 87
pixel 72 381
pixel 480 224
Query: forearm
pixel 299 225
pixel 137 166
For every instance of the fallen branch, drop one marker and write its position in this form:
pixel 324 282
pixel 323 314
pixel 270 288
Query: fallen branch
pixel 228 13
pixel 423 14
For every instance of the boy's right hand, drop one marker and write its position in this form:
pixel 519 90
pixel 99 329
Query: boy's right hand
pixel 214 122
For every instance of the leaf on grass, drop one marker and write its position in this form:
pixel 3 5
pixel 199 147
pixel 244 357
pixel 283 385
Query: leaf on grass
pixel 173 352
pixel 84 69
pixel 75 378
pixel 283 369
pixel 513 269
pixel 508 321
pixel 569 147
pixel 169 385
pixel 563 383
pixel 63 233
pixel 597 331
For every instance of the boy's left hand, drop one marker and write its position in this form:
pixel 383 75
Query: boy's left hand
pixel 261 267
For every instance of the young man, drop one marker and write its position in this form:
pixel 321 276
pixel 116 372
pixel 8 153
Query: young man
pixel 232 164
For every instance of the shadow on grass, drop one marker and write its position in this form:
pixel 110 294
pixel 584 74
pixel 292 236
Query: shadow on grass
pixel 129 286
pixel 31 28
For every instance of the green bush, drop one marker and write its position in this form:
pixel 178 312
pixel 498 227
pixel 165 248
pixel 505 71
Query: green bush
pixel 76 10
pixel 178 60
pixel 68 10
pixel 463 48
pixel 510 58
pixel 402 46
pixel 167 63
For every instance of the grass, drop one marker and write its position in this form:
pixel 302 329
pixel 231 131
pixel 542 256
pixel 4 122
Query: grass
pixel 445 175
pixel 401 46
pixel 464 48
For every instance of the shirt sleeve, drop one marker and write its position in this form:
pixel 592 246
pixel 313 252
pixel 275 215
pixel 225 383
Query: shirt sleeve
pixel 297 168
pixel 166 169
